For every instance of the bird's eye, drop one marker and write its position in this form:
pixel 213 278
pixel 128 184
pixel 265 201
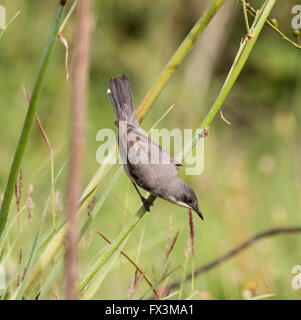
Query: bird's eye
pixel 193 202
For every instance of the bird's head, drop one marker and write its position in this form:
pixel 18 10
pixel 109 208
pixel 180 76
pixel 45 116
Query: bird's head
pixel 187 198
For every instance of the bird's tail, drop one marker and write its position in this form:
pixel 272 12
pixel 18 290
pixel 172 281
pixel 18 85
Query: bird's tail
pixel 120 95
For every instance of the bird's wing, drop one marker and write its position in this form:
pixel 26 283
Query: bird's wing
pixel 143 148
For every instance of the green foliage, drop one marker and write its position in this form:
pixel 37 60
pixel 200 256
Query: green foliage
pixel 252 168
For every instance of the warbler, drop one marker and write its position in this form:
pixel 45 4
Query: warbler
pixel 145 162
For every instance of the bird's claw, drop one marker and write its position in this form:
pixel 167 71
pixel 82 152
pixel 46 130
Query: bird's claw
pixel 146 204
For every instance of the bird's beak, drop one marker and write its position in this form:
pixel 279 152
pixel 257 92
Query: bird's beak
pixel 197 210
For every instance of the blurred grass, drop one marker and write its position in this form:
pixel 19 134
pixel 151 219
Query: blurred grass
pixel 252 171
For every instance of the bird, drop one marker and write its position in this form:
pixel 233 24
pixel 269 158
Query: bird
pixel 147 165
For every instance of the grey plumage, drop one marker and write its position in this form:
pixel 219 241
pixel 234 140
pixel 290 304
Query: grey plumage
pixel 146 163
pixel 121 99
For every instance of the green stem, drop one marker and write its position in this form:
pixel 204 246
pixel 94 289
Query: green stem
pixel 68 15
pixel 239 62
pixel 29 118
pixel 252 12
pixel 178 58
pixel 246 16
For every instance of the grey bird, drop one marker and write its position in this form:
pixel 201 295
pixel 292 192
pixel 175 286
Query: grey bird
pixel 145 162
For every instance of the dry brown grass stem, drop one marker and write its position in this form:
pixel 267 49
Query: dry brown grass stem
pixel 79 88
pixel 239 249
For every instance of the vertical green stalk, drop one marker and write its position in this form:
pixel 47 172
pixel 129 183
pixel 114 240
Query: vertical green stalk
pixel 239 61
pixel 15 167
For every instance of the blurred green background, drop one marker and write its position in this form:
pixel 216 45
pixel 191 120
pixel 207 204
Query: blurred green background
pixel 251 180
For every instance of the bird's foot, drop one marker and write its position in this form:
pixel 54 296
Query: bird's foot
pixel 146 204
